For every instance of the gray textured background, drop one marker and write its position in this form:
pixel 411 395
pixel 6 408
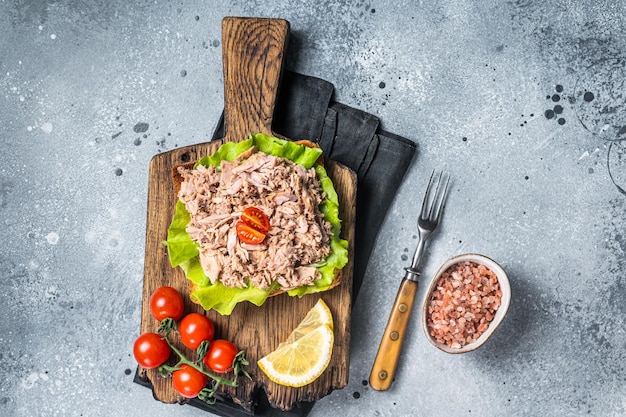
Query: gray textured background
pixel 89 92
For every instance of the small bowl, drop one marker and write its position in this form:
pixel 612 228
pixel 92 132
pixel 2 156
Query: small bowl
pixel 505 287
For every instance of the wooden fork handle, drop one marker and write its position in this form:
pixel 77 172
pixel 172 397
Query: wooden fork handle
pixel 384 367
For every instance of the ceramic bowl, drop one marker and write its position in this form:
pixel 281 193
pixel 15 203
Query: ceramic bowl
pixel 497 318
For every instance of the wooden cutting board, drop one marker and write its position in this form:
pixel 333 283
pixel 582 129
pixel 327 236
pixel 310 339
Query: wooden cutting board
pixel 253 52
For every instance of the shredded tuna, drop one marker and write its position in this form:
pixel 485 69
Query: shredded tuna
pixel 287 193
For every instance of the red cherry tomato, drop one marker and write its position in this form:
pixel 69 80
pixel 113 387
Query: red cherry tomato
pixel 256 219
pixel 166 302
pixel 151 350
pixel 221 356
pixel 195 328
pixel 188 381
pixel 249 234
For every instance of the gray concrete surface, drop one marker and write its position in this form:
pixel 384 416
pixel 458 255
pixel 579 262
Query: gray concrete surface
pixel 90 91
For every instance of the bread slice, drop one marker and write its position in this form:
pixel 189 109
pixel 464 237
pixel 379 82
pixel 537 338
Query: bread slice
pixel 177 180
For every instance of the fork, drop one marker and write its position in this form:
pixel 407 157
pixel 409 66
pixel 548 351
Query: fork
pixel 384 367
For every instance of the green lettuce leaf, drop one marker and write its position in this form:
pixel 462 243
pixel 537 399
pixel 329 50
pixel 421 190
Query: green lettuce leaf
pixel 228 152
pixel 223 299
pixel 183 251
pixel 180 247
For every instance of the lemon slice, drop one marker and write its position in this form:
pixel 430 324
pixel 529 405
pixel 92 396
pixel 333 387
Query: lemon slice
pixel 318 315
pixel 306 353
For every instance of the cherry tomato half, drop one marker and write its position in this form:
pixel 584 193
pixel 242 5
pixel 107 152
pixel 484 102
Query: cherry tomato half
pixel 195 328
pixel 256 219
pixel 221 356
pixel 166 302
pixel 249 234
pixel 151 350
pixel 188 381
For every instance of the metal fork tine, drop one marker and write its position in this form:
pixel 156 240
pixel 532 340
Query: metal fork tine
pixel 435 197
pixel 431 209
pixel 441 199
pixel 425 201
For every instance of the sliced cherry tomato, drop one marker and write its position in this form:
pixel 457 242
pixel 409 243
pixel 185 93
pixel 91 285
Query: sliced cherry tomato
pixel 221 356
pixel 188 381
pixel 166 302
pixel 248 234
pixel 256 219
pixel 151 350
pixel 195 328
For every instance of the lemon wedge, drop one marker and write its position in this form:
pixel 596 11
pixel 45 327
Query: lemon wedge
pixel 317 316
pixel 306 352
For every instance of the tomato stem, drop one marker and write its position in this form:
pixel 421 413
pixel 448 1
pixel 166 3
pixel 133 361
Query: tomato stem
pixel 183 360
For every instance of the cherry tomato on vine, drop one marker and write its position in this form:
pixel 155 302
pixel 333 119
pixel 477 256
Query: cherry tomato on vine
pixel 151 350
pixel 166 302
pixel 256 219
pixel 188 381
pixel 221 356
pixel 249 234
pixel 195 328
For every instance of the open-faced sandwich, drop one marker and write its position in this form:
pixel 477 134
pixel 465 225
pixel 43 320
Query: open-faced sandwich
pixel 256 219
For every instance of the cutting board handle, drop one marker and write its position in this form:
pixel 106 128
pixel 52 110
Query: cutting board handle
pixel 253 55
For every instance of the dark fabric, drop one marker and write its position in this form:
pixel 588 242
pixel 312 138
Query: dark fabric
pixel 301 106
pixel 305 110
pixel 347 135
pixel 378 184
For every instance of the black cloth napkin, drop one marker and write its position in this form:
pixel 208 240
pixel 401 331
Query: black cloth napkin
pixel 305 109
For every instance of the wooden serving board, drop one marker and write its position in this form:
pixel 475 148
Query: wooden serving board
pixel 253 56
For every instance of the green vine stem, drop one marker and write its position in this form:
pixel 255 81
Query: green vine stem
pixel 200 368
pixel 207 394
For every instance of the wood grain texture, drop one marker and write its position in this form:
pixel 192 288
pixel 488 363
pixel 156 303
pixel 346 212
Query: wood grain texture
pixel 384 367
pixel 258 330
pixel 253 52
